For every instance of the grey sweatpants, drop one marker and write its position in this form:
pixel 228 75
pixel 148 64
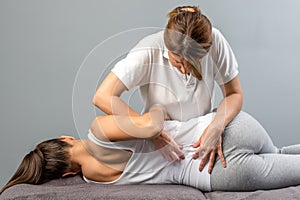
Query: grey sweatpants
pixel 253 162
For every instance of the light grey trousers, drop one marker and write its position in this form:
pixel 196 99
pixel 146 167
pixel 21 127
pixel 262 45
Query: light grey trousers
pixel 253 162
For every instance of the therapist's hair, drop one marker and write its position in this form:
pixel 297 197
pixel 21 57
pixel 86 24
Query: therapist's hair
pixel 188 33
pixel 48 161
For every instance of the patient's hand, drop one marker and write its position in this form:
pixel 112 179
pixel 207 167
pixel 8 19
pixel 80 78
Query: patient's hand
pixel 167 146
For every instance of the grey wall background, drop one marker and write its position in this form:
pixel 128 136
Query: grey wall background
pixel 42 45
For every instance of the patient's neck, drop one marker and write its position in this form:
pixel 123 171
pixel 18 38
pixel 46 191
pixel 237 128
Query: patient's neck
pixel 78 153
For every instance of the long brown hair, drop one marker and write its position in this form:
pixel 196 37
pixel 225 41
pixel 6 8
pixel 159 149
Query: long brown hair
pixel 188 33
pixel 49 160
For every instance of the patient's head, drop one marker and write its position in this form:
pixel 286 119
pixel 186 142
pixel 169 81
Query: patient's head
pixel 49 160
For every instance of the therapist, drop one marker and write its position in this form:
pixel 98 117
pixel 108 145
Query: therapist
pixel 177 68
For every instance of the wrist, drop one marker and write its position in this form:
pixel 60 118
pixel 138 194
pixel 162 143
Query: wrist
pixel 157 136
pixel 218 125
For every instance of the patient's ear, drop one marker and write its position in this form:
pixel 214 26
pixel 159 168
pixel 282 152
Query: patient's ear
pixel 66 138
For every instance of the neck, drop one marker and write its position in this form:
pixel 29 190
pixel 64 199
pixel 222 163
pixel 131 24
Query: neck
pixel 78 153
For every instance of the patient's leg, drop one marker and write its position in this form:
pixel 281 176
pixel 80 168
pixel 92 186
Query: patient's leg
pixel 253 162
pixel 245 134
pixel 248 172
pixel 293 149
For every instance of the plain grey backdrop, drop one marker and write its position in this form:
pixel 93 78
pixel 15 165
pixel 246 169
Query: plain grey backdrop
pixel 44 43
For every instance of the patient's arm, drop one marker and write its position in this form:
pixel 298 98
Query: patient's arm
pixel 120 127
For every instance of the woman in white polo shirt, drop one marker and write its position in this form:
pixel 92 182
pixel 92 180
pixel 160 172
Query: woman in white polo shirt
pixel 177 68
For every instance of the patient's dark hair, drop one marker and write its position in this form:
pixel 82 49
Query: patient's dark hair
pixel 49 160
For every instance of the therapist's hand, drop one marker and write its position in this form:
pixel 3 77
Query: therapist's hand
pixel 210 144
pixel 167 146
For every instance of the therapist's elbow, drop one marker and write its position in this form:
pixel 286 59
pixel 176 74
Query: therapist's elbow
pixel 99 100
pixel 95 100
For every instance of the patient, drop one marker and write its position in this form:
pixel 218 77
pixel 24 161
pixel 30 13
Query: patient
pixel 118 151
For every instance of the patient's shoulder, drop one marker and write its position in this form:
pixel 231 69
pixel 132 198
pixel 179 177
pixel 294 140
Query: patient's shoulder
pixel 94 170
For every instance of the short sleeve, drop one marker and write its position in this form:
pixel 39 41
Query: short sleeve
pixel 225 63
pixel 134 69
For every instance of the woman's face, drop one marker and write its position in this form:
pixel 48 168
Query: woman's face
pixel 180 63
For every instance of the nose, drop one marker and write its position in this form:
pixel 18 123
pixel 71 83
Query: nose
pixel 181 68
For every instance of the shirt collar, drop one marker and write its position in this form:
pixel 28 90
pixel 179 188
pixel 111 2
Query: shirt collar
pixel 165 54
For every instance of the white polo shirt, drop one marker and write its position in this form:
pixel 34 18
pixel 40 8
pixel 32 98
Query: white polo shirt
pixel 147 66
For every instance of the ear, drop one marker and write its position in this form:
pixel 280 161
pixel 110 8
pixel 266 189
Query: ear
pixel 66 138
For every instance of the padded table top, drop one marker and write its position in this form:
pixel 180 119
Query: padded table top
pixel 76 188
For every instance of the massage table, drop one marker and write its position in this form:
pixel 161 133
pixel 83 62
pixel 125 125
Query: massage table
pixel 76 188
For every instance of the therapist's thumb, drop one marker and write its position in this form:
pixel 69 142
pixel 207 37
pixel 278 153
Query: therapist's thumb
pixel 197 144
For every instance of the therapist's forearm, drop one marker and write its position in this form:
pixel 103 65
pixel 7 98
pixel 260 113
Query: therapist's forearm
pixel 113 105
pixel 229 107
